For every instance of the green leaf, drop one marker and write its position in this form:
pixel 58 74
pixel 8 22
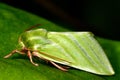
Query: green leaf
pixel 13 22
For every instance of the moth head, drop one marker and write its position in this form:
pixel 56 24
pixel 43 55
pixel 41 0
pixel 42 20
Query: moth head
pixel 33 38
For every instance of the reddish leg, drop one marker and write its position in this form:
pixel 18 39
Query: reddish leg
pixel 13 52
pixel 59 67
pixel 30 57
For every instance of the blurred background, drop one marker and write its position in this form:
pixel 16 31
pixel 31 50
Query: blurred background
pixel 99 16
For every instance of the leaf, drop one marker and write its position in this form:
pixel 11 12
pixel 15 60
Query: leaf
pixel 13 22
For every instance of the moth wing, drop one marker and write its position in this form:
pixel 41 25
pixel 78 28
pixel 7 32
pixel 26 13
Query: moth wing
pixel 79 50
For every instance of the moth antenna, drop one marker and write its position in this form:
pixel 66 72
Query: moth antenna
pixel 33 27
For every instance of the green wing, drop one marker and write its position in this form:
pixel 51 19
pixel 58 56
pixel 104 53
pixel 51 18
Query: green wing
pixel 77 49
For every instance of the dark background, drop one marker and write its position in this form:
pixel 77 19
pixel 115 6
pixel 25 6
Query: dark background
pixel 102 17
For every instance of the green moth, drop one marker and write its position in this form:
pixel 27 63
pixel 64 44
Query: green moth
pixel 79 50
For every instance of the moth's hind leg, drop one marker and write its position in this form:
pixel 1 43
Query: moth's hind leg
pixel 59 67
pixel 56 65
pixel 13 52
pixel 30 57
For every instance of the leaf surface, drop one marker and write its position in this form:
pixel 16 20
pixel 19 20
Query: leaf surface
pixel 13 22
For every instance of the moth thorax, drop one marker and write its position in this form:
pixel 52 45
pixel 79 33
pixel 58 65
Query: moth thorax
pixel 36 42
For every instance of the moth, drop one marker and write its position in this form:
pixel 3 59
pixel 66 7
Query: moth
pixel 79 50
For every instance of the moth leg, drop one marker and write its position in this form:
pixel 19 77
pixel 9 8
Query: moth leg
pixel 13 52
pixel 30 57
pixel 66 67
pixel 59 67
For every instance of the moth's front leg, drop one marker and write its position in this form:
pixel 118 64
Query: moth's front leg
pixel 13 52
